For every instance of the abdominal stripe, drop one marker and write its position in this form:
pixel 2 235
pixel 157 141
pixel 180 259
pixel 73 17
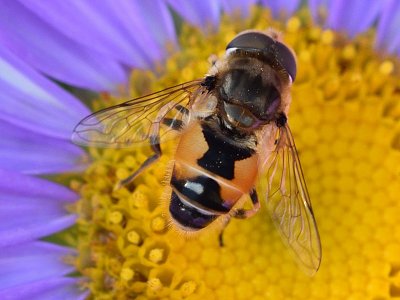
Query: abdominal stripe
pixel 202 192
pixel 188 216
pixel 221 156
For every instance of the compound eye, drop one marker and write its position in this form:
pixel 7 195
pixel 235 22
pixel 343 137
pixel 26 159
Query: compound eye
pixel 251 40
pixel 270 48
pixel 286 59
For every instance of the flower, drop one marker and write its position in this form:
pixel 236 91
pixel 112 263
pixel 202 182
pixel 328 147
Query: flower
pixel 344 117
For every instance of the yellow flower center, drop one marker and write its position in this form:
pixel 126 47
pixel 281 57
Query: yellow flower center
pixel 344 117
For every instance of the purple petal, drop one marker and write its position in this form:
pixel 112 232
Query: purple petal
pixel 30 100
pixel 53 53
pixel 388 36
pixel 32 153
pixel 31 208
pixel 199 13
pixel 280 8
pixel 131 32
pixel 354 16
pixel 19 264
pixel 153 25
pixel 318 8
pixel 233 6
pixel 49 289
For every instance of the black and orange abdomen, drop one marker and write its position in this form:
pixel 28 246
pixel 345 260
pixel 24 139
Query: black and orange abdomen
pixel 209 176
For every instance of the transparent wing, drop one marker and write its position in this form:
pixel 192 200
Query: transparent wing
pixel 288 201
pixel 134 121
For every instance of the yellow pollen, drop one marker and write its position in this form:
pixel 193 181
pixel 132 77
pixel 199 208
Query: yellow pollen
pixel 138 199
pixel 75 185
pixel 293 24
pixel 305 56
pixel 115 217
pixel 327 37
pixel 344 115
pixel 127 274
pixel 156 255
pixel 314 33
pixel 122 173
pixel 386 67
pixel 158 224
pixel 154 284
pixel 349 52
pixel 129 161
pixel 188 288
pixel 133 237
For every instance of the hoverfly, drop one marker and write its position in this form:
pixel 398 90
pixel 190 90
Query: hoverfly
pixel 232 132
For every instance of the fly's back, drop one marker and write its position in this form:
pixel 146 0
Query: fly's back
pixel 210 175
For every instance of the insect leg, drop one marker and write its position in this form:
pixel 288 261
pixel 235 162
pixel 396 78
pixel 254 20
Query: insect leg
pixel 183 110
pixel 173 123
pixel 155 146
pixel 247 213
pixel 221 238
pixel 176 123
pixel 242 214
pixel 221 234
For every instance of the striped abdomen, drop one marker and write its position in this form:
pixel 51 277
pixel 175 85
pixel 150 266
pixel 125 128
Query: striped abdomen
pixel 210 175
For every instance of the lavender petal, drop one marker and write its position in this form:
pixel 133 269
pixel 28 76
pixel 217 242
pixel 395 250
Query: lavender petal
pixel 388 37
pixel 19 264
pixel 131 32
pixel 199 13
pixel 32 153
pixel 32 101
pixel 353 17
pixel 49 289
pixel 280 8
pixel 241 6
pixel 318 9
pixel 31 208
pixel 53 53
